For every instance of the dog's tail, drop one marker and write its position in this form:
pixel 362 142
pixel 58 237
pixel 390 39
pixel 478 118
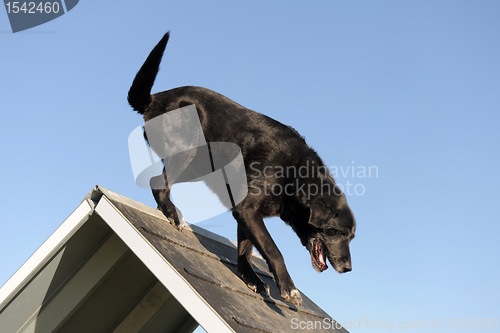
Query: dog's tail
pixel 139 95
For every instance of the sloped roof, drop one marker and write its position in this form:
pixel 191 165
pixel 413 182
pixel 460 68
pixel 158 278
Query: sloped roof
pixel 116 265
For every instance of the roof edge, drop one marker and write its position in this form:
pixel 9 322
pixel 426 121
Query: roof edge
pixel 45 252
pixel 97 192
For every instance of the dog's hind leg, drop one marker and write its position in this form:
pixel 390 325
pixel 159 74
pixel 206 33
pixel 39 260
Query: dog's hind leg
pixel 161 193
pixel 245 268
pixel 254 228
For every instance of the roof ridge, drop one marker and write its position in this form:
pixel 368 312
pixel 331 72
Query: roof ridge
pixel 98 191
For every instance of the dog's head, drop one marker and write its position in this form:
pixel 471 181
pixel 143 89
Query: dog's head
pixel 331 228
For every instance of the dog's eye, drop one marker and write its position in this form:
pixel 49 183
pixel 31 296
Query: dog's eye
pixel 335 214
pixel 335 232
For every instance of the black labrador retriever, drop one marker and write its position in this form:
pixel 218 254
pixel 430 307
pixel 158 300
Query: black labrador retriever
pixel 309 201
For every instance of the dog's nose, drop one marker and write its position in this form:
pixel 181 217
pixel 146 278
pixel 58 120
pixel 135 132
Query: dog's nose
pixel 347 267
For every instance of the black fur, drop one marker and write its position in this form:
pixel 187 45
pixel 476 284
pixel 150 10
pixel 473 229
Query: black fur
pixel 323 221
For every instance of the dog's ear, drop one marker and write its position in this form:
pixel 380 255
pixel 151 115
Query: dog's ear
pixel 316 214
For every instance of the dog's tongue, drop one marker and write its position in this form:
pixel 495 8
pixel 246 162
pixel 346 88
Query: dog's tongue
pixel 321 258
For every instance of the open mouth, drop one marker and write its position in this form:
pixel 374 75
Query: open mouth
pixel 318 256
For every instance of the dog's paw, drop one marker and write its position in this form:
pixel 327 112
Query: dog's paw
pixel 252 287
pixel 263 290
pixel 260 288
pixel 176 224
pixel 257 286
pixel 182 223
pixel 293 296
pixel 179 224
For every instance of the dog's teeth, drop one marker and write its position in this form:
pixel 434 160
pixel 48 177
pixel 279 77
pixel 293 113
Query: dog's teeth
pixel 321 255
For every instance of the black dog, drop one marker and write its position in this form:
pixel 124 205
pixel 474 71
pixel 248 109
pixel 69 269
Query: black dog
pixel 285 178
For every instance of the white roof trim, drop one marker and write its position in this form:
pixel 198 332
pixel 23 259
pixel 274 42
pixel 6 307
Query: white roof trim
pixel 199 309
pixel 45 252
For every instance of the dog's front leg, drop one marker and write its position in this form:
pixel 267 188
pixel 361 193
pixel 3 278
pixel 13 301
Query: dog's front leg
pixel 245 268
pixel 161 193
pixel 254 228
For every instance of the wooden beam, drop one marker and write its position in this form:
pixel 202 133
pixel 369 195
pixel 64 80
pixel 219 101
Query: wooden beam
pixel 147 307
pixel 55 310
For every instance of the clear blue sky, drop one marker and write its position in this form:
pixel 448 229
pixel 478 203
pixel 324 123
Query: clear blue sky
pixel 410 87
